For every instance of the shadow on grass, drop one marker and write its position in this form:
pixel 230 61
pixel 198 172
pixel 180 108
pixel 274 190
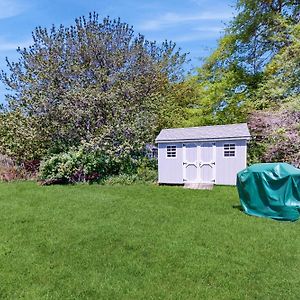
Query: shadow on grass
pixel 239 207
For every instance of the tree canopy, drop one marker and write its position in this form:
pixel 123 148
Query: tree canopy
pixel 94 82
pixel 253 43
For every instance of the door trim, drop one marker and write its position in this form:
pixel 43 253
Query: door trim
pixel 198 163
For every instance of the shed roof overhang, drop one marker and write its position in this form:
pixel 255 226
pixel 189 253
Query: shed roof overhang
pixel 247 138
pixel 204 133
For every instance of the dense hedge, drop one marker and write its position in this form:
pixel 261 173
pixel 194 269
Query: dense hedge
pixel 83 166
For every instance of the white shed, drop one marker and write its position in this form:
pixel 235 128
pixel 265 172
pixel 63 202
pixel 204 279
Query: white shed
pixel 206 154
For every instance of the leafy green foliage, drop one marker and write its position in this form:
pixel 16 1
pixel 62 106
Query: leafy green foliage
pixel 73 166
pixel 21 138
pixel 147 170
pixel 281 84
pixel 121 179
pixel 254 46
pixel 84 165
pixel 261 30
pixel 179 103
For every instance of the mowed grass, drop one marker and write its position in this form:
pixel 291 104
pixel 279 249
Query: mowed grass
pixel 141 242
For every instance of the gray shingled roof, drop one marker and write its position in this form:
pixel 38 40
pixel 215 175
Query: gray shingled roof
pixel 216 132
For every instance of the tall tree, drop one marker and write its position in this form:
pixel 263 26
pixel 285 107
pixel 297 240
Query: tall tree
pixel 230 77
pixel 276 131
pixel 93 82
pixel 281 83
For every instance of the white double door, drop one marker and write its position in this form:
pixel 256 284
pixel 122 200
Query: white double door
pixel 199 162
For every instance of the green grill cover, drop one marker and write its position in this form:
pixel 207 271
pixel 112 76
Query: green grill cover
pixel 270 190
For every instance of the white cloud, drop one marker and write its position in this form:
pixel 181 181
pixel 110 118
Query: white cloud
pixel 10 8
pixel 198 35
pixel 209 29
pixel 6 45
pixel 169 19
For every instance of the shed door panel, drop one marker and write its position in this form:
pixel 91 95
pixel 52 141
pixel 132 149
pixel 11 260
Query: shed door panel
pixel 207 152
pixel 190 163
pixel 207 162
pixel 191 173
pixel 191 152
pixel 207 173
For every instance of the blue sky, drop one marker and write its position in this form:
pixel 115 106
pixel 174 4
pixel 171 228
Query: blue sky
pixel 195 25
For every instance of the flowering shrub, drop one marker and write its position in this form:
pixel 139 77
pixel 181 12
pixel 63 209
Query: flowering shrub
pixel 275 136
pixel 73 166
pixel 84 165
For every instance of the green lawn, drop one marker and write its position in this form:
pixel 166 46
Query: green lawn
pixel 141 242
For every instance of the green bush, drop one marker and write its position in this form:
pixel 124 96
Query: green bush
pixel 147 175
pixel 147 170
pixel 84 165
pixel 73 166
pixel 122 179
pixel 143 170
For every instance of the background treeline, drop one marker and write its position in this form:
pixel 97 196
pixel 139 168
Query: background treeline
pixel 254 76
pixel 87 100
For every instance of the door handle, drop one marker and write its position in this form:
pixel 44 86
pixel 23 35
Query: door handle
pixel 207 163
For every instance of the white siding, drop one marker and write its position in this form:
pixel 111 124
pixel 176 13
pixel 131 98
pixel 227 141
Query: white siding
pixel 228 167
pixel 170 168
